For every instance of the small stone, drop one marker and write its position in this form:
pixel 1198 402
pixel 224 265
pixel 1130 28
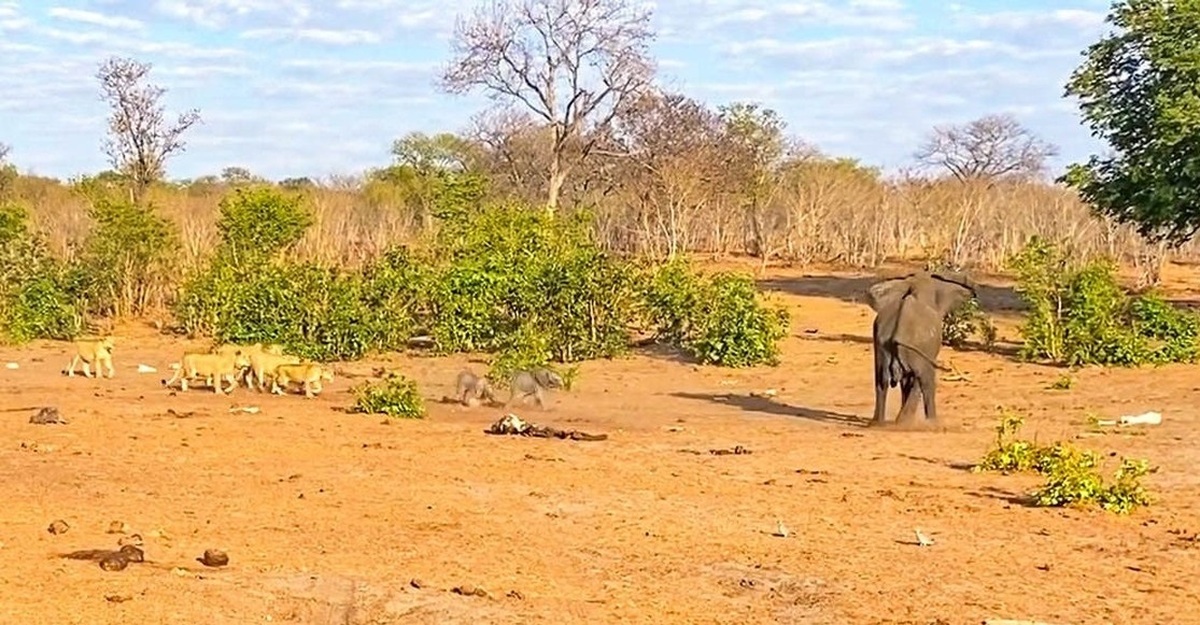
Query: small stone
pixel 58 527
pixel 416 583
pixel 214 558
pixel 115 598
pixel 117 527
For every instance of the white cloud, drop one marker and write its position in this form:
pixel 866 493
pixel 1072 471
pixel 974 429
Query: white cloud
pixel 218 13
pixel 1022 20
pixel 318 35
pixel 96 19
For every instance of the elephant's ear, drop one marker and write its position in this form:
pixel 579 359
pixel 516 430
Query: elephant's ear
pixel 886 294
pixel 950 291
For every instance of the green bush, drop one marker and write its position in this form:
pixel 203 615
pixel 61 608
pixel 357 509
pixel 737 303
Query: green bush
pixel 256 224
pixel 124 268
pixel 1072 477
pixel 394 396
pixel 36 295
pixel 508 267
pixel 1080 315
pixel 718 319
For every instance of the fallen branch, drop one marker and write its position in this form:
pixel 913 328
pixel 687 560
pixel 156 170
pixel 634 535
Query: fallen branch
pixel 512 425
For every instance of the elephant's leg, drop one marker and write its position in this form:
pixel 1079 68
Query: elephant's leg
pixel 881 391
pixel 908 401
pixel 926 375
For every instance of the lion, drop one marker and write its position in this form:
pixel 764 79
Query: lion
pixel 262 366
pixel 308 374
pixel 215 368
pixel 90 352
pixel 249 351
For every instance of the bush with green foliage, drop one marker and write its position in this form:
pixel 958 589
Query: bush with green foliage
pixel 36 296
pixel 394 396
pixel 1079 314
pixel 718 319
pixel 124 268
pixel 1072 476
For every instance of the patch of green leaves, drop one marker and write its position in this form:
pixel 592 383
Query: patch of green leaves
pixel 394 396
pixel 1080 315
pixel 1072 476
pixel 719 319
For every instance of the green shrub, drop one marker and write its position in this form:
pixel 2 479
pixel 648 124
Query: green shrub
pixel 508 267
pixel 256 224
pixel 1080 315
pixel 36 295
pixel 124 268
pixel 394 396
pixel 1072 477
pixel 718 319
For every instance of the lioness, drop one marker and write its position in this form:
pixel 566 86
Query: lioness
pixel 262 365
pixel 309 374
pixel 89 352
pixel 249 351
pixel 217 368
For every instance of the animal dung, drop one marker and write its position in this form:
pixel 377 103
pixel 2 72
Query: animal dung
pixel 114 562
pixel 214 558
pixel 132 553
pixel 47 415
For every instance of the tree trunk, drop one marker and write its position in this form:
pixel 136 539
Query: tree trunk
pixel 557 178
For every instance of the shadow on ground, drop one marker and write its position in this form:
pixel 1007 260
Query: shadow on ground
pixel 767 405
pixel 1004 349
pixel 852 288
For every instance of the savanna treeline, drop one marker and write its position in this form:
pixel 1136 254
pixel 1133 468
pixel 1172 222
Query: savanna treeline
pixel 583 133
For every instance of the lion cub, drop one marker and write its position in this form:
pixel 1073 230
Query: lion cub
pixel 262 366
pixel 92 352
pixel 216 368
pixel 308 374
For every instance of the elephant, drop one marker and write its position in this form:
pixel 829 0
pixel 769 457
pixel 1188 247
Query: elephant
pixel 907 336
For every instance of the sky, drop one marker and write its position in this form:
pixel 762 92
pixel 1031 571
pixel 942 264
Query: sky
pixel 319 87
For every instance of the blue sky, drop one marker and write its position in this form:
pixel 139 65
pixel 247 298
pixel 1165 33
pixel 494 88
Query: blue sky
pixel 318 87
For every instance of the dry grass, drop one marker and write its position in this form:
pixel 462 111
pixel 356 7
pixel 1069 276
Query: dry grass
pixel 832 218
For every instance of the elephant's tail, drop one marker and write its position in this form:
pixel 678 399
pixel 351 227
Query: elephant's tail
pixel 922 353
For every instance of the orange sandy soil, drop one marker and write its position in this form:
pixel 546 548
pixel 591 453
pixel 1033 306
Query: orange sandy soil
pixel 327 516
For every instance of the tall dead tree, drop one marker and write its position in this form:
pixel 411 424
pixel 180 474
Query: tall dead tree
pixel 140 137
pixel 573 63
pixel 989 148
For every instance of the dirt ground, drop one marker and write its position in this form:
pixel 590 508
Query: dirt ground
pixel 327 517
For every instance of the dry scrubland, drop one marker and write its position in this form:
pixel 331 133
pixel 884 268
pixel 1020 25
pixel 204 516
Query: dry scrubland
pixel 327 516
pixel 520 243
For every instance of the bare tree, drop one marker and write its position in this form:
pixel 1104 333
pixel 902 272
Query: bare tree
pixel 140 138
pixel 989 148
pixel 573 63
pixel 4 151
pixel 669 167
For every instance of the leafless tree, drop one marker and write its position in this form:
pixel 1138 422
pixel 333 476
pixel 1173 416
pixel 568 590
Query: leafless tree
pixel 4 151
pixel 989 148
pixel 669 167
pixel 573 63
pixel 140 138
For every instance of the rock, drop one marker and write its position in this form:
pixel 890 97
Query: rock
pixel 117 527
pixel 58 527
pixel 214 558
